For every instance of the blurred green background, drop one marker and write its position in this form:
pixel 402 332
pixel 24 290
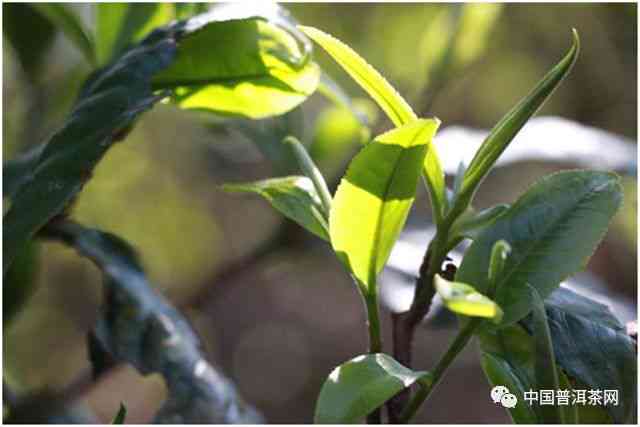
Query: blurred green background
pixel 273 307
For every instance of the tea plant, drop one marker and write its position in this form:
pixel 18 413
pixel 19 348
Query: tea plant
pixel 532 333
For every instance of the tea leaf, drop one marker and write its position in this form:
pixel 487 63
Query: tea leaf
pixel 390 101
pixel 507 128
pixel 294 196
pixel 545 361
pixel 501 373
pixel 110 102
pixel 374 197
pixel 365 75
pixel 593 347
pixel 248 67
pixel 553 229
pixel 464 299
pixel 357 387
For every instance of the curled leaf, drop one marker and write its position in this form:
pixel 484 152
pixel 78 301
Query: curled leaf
pixel 464 299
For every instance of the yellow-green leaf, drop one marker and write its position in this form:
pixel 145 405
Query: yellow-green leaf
pixel 374 197
pixel 245 67
pixel 464 299
pixel 365 75
pixel 390 101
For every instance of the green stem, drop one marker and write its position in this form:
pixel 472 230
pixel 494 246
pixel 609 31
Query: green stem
pixel 375 341
pixel 373 324
pixel 454 349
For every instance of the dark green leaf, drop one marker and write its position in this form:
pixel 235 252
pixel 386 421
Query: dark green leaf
pixel 110 102
pixel 17 170
pixel 294 196
pixel 553 229
pixel 545 360
pixel 500 373
pixel 357 387
pixel 120 24
pixel 593 347
pixel 137 325
pixel 373 200
pixel 507 128
pixel 70 25
pixel 258 69
pixel 121 415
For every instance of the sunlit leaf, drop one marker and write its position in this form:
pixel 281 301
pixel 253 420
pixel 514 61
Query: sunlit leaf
pixel 250 67
pixel 71 26
pixel 120 24
pixel 553 229
pixel 373 200
pixel 294 196
pixel 464 299
pixel 390 101
pixel 365 75
pixel 507 128
pixel 357 387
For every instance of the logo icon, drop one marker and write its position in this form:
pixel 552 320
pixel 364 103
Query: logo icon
pixel 501 394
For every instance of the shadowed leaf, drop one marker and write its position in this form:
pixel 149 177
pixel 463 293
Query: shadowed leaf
pixel 553 229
